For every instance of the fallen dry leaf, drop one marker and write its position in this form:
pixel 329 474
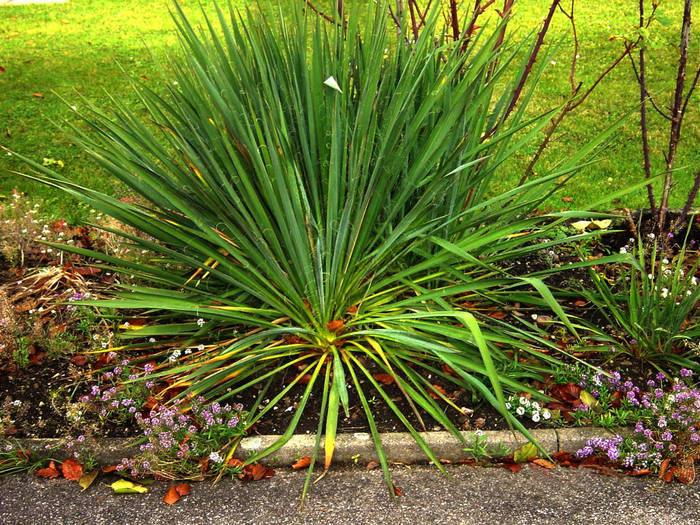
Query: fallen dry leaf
pixel 543 463
pixel 567 199
pixel 372 465
pixel 49 472
pixel 183 489
pixel 38 95
pixel 234 462
pixel 72 470
pixel 302 463
pixel 334 326
pixel 383 378
pixel 397 490
pixel 171 496
pixel 79 360
pixel 87 479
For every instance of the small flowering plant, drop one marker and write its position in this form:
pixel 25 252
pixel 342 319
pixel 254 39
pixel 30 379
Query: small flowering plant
pixel 666 419
pixel 125 389
pixel 653 305
pixel 524 408
pixel 186 443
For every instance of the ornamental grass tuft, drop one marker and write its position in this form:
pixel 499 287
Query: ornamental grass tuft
pixel 314 197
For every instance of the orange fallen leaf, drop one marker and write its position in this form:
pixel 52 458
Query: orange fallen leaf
pixel 397 490
pixel 72 470
pixel 38 95
pixel 111 468
pixel 79 360
pixel 302 463
pixel 579 303
pixel 567 199
pixel 543 463
pixel 664 467
pixel 640 472
pixel 334 326
pixel 372 465
pixel 498 314
pixel 668 475
pixel 234 462
pixel 432 394
pixel 183 489
pixel 49 472
pixel 172 496
pixel 685 473
pixel 383 378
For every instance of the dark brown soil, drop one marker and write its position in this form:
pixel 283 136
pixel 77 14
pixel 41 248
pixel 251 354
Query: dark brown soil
pixel 33 399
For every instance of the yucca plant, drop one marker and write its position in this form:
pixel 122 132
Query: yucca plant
pixel 315 196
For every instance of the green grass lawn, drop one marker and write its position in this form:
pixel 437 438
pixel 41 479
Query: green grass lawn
pixel 78 49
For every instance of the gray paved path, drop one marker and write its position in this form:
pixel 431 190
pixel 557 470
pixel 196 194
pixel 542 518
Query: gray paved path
pixel 356 496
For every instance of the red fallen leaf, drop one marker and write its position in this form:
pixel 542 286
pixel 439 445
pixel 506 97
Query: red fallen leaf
pixel 2 69
pixel 111 468
pixel 445 461
pixel 255 472
pixel 234 462
pixel 397 490
pixel 203 464
pixel 150 403
pixel 171 496
pixel 372 465
pixel 61 225
pixel 79 360
pixel 567 199
pixel 543 463
pixel 183 489
pixel 49 472
pixel 668 475
pixel 24 454
pixel 640 472
pixel 580 303
pixel 302 463
pixel 513 467
pixel 499 314
pixel 72 470
pixel 467 461
pixel 439 389
pixel 663 467
pixel 334 326
pixel 36 359
pixel 86 270
pixel 137 321
pixel 685 473
pixel 352 309
pixel 569 392
pixel 448 370
pixel 38 95
pixel 386 379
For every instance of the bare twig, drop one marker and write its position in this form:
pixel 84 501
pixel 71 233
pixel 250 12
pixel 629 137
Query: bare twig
pixel 676 115
pixel 574 101
pixel 323 15
pixel 641 78
pixel 688 203
pixel 648 95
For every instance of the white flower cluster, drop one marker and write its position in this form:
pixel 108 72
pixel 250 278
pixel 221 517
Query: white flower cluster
pixel 523 407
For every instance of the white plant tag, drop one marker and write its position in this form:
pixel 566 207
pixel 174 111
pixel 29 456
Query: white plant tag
pixel 331 83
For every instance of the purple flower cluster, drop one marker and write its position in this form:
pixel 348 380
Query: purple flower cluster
pixel 180 437
pixel 666 417
pixel 122 395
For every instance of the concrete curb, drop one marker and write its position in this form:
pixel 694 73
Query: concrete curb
pixel 358 447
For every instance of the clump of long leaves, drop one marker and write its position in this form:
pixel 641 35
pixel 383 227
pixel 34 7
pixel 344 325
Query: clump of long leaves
pixel 652 305
pixel 315 195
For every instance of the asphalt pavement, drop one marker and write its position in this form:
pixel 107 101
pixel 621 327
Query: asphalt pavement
pixel 470 495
